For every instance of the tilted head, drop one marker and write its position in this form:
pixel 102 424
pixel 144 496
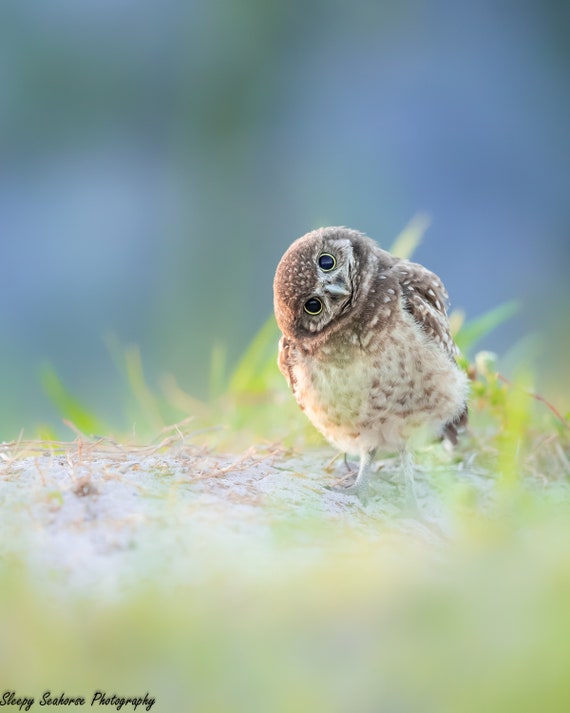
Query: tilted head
pixel 318 279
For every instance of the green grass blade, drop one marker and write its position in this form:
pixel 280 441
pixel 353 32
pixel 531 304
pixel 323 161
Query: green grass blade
pixel 475 329
pixel 68 405
pixel 259 361
pixel 411 236
pixel 146 401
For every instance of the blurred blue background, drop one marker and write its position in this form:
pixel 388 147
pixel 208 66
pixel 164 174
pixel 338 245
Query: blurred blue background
pixel 158 158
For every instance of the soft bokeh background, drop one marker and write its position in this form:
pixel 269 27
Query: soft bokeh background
pixel 158 158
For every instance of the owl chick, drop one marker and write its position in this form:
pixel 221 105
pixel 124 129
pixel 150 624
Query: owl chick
pixel 366 346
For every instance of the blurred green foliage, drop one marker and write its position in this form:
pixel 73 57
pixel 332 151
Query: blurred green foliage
pixel 70 408
pixel 377 625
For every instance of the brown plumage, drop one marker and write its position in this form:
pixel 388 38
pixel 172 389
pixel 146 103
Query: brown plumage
pixel 366 346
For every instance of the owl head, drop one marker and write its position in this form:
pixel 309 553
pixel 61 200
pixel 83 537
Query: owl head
pixel 318 280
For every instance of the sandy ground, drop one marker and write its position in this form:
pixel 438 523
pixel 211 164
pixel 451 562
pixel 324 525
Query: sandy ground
pixel 107 517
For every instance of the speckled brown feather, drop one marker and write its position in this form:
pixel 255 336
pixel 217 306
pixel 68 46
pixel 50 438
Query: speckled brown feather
pixel 425 298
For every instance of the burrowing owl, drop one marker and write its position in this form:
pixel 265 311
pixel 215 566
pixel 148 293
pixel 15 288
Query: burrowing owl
pixel 366 347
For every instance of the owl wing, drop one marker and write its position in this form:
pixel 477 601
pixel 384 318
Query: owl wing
pixel 285 362
pixel 425 298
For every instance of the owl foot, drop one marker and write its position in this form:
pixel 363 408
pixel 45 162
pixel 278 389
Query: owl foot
pixel 360 491
pixel 360 485
pixel 410 496
pixel 347 465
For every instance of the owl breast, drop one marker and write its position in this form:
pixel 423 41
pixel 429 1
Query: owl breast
pixel 375 396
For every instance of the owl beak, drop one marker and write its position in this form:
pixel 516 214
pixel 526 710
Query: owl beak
pixel 337 289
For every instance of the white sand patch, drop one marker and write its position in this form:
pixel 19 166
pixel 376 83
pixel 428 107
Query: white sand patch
pixel 106 517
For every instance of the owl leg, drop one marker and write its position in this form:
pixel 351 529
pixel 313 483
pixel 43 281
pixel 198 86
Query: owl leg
pixel 407 464
pixel 360 485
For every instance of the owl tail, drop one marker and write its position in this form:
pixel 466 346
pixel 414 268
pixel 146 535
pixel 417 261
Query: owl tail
pixel 452 429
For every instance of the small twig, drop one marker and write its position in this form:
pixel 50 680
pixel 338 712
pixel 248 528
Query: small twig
pixel 562 456
pixel 329 465
pixel 40 471
pixel 540 398
pixel 73 427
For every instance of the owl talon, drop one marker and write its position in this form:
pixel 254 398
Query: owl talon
pixel 360 492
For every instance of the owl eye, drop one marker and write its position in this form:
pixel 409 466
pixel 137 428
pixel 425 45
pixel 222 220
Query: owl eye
pixel 327 262
pixel 313 306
